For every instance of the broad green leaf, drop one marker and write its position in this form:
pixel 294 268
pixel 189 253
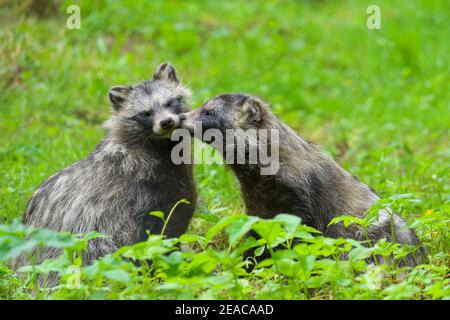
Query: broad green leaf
pixel 223 223
pixel 117 275
pixel 291 222
pixel 360 253
pixel 158 214
pixel 239 227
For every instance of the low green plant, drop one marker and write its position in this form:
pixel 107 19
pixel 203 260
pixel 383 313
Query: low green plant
pixel 302 263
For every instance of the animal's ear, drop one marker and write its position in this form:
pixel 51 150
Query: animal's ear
pixel 166 72
pixel 118 95
pixel 252 109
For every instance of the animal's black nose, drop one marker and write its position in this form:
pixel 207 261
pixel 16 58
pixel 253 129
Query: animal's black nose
pixel 167 123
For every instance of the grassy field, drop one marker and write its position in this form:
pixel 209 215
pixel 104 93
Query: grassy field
pixel 377 100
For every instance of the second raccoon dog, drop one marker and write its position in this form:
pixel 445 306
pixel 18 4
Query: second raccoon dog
pixel 308 184
pixel 128 175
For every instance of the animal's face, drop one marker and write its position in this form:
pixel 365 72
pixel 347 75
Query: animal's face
pixel 226 111
pixel 150 109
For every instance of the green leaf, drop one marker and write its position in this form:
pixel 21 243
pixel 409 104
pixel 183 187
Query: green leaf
pixel 223 223
pixel 349 220
pixel 239 227
pixel 259 251
pixel 270 230
pixel 117 275
pixel 291 222
pixel 360 253
pixel 188 238
pixel 158 214
pixel 209 217
pixel 265 263
pixel 18 249
pixel 93 235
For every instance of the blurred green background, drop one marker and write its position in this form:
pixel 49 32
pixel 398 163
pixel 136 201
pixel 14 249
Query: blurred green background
pixel 377 100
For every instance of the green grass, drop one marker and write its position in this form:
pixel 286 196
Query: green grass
pixel 377 100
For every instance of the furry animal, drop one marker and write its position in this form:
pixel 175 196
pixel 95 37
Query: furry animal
pixel 308 184
pixel 128 175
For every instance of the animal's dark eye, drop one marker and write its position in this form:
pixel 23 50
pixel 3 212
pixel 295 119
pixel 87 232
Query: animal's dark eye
pixel 145 114
pixel 208 112
pixel 174 103
pixel 143 117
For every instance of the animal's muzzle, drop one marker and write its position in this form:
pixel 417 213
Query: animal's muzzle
pixel 167 123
